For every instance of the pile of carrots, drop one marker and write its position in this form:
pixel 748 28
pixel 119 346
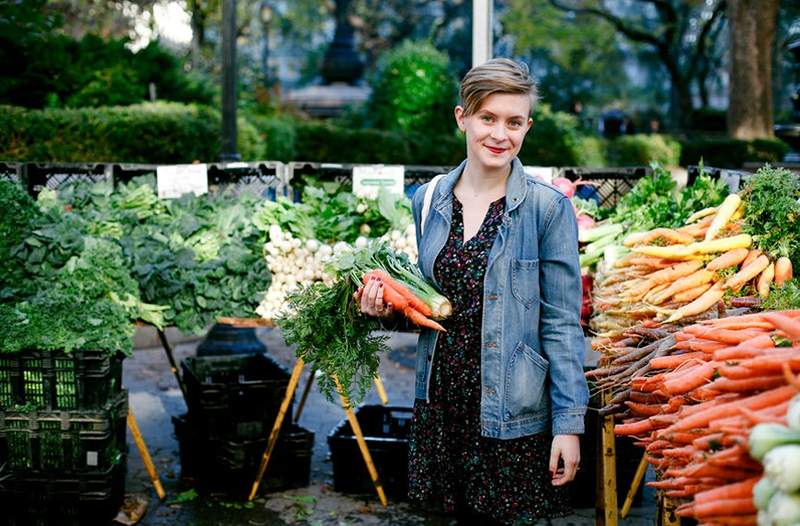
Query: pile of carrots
pixel 404 301
pixel 693 407
pixel 674 274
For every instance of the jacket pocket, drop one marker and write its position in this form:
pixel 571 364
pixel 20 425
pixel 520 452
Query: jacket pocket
pixel 526 377
pixel 525 280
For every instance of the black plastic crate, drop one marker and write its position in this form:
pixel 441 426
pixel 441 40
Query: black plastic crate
pixel 386 430
pixel 49 441
pixel 230 464
pixel 56 380
pixel 83 500
pixel 238 394
pixel 39 176
pixel 612 183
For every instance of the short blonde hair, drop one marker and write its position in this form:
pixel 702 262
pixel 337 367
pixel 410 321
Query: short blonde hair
pixel 499 75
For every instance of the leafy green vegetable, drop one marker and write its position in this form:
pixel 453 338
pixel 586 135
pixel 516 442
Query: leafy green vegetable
pixel 772 212
pixel 783 298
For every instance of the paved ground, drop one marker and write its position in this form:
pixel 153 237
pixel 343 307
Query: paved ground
pixel 155 398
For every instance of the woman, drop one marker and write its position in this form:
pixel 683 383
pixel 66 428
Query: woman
pixel 508 373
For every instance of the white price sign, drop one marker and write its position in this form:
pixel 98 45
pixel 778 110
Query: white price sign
pixel 178 179
pixel 367 180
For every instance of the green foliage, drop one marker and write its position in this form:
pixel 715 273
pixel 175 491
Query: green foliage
pixel 277 137
pixel 783 298
pixel 592 151
pixel 553 140
pixel 731 153
pixel 772 212
pixel 145 133
pixel 638 150
pixel 413 90
pixel 574 58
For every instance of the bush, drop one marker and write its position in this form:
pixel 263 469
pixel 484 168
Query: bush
pixel 553 140
pixel 144 133
pixel 413 90
pixel 731 153
pixel 641 150
pixel 277 137
pixel 54 70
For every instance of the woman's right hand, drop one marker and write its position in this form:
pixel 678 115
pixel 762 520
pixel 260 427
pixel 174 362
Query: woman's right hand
pixel 370 299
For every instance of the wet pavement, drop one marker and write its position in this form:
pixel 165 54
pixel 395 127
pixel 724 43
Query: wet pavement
pixel 155 398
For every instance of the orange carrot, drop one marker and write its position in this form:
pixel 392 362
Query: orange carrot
pixel 728 259
pixel 737 506
pixel 789 326
pixel 723 335
pixel 673 361
pixel 404 291
pixel 730 491
pixel 747 272
pixel 701 304
pixel 765 279
pixel 685 383
pixel 707 441
pixel 755 345
pixel 783 271
pixel 696 279
pixel 773 361
pixel 731 520
pixel 701 345
pixel 691 294
pixel 765 399
pixel 757 383
pixel 636 428
pixel 643 409
pixel 751 256
pixel 418 318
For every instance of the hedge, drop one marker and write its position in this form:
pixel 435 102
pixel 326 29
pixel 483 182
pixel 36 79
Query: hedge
pixel 142 133
pixel 639 150
pixel 731 153
pixel 178 133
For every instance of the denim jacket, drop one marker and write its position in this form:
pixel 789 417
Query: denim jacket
pixel 532 345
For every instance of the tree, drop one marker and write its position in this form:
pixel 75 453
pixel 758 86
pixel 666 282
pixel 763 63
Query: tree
pixel 752 34
pixel 678 31
pixel 574 58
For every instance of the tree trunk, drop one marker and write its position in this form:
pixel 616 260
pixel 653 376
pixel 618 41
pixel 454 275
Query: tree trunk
pixel 752 31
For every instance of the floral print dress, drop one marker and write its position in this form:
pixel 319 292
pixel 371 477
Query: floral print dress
pixel 452 468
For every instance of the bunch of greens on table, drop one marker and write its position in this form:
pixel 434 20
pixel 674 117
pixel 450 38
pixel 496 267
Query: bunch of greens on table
pixel 772 212
pixel 199 255
pixel 329 212
pixel 62 289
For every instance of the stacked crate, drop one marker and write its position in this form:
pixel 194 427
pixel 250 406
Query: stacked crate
pixel 62 438
pixel 233 401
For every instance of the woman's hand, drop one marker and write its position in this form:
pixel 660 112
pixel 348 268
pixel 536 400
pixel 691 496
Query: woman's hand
pixel 370 298
pixel 567 448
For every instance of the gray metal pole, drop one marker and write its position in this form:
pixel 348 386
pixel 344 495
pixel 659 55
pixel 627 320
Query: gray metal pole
pixel 229 152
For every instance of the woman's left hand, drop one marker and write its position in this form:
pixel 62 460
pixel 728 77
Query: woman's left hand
pixel 567 448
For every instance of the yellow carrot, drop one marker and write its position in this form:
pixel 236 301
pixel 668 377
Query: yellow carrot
pixel 700 214
pixel 720 245
pixel 765 279
pixel 724 214
pixel 676 252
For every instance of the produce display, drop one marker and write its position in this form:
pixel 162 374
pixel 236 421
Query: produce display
pixel 699 330
pixel 653 202
pixel 62 288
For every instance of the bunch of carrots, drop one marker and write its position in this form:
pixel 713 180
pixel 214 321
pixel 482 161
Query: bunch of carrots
pixel 671 275
pixel 693 409
pixel 404 301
